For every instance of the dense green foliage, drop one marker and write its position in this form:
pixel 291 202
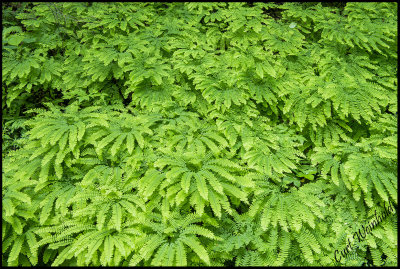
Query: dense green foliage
pixel 198 133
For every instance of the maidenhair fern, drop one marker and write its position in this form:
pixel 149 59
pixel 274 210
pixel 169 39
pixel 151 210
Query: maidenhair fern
pixel 199 134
